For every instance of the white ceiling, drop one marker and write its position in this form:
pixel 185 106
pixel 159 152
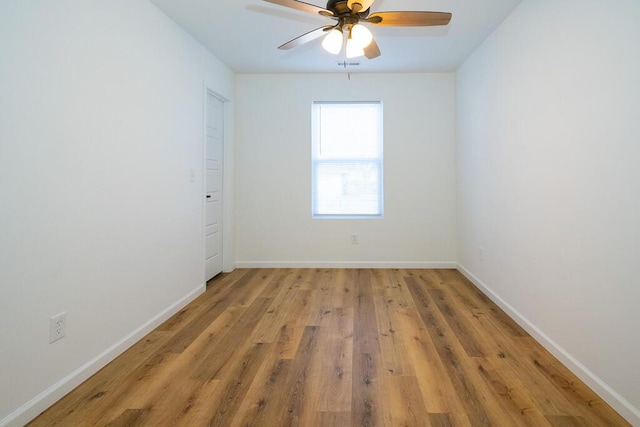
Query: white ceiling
pixel 245 34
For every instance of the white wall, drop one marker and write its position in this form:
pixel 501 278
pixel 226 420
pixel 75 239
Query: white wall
pixel 273 172
pixel 548 113
pixel 101 122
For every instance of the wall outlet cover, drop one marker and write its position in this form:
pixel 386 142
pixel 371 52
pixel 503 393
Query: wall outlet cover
pixel 57 327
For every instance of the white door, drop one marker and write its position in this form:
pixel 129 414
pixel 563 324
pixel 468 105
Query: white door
pixel 213 201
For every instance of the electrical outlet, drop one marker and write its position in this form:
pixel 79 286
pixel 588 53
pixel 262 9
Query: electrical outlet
pixel 57 327
pixel 481 254
pixel 354 239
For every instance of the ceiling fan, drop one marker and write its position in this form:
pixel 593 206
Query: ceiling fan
pixel 349 31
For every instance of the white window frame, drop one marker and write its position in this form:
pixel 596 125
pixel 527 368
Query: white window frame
pixel 317 161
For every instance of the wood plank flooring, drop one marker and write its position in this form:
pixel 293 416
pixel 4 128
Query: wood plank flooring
pixel 335 347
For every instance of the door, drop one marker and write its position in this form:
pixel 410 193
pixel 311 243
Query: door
pixel 213 185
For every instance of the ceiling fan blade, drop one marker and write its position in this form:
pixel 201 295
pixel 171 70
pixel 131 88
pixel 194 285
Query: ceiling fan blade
pixel 409 19
pixel 372 51
pixel 364 5
pixel 306 38
pixel 305 7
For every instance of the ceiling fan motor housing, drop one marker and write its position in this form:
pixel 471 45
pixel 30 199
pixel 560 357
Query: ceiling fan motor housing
pixel 339 7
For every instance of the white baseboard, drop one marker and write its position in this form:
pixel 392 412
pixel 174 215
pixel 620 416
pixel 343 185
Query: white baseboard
pixel 57 391
pixel 347 264
pixel 602 389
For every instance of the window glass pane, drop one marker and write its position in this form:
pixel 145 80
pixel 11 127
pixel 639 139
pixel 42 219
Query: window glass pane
pixel 347 188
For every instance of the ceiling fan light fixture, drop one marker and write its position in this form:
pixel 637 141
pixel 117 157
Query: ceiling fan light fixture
pixel 361 35
pixel 332 42
pixel 348 31
pixel 354 49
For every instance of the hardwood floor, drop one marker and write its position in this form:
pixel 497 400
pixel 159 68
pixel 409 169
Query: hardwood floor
pixel 335 347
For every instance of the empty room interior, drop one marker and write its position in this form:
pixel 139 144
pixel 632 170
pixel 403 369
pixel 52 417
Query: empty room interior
pixel 171 252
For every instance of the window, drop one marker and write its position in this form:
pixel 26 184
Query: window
pixel 347 160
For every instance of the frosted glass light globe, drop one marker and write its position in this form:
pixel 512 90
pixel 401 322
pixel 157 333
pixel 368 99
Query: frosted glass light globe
pixel 354 49
pixel 361 35
pixel 332 42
